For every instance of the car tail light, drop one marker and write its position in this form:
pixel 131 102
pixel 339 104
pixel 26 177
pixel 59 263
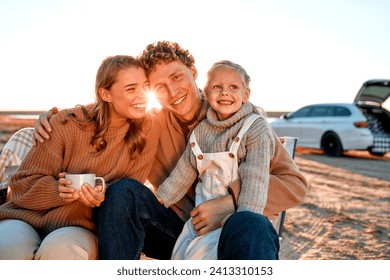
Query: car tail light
pixel 361 124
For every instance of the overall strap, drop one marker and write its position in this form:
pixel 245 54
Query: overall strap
pixel 247 123
pixel 194 144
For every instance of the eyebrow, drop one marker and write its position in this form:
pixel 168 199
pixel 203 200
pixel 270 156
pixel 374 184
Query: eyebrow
pixel 174 73
pixel 130 85
pixel 169 76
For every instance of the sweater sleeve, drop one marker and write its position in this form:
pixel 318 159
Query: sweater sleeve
pixel 180 180
pixel 34 186
pixel 287 185
pixel 254 169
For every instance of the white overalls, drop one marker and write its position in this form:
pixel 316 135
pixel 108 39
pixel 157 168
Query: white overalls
pixel 216 172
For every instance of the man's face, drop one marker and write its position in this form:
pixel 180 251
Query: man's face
pixel 176 90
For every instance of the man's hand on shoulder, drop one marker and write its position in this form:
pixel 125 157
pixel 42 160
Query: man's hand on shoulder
pixel 42 126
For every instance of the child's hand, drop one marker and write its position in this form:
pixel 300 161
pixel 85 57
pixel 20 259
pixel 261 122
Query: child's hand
pixel 225 219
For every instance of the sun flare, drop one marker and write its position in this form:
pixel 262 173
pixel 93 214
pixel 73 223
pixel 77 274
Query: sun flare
pixel 152 102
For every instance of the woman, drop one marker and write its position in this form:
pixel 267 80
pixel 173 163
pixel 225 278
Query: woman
pixel 112 138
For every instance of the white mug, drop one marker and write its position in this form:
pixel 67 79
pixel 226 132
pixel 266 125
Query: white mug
pixel 79 179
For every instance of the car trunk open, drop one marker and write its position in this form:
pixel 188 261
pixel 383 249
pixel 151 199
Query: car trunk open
pixel 370 99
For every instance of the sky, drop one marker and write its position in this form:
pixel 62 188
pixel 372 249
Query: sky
pixel 296 52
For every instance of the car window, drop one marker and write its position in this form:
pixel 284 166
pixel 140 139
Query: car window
pixel 321 111
pixel 377 90
pixel 301 113
pixel 341 112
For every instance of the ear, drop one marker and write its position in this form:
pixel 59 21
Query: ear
pixel 246 96
pixel 104 94
pixel 194 72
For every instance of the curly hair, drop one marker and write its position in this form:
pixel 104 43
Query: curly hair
pixel 164 51
pixel 98 113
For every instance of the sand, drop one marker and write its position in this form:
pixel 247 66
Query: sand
pixel 346 215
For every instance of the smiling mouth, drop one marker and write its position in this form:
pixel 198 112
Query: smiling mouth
pixel 180 100
pixel 225 102
pixel 139 106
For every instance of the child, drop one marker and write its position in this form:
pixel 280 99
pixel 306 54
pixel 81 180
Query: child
pixel 233 143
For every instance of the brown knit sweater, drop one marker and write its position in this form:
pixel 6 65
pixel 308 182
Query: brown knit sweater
pixel 254 155
pixel 35 197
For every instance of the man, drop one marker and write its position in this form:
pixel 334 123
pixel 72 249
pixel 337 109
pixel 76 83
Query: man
pixel 131 220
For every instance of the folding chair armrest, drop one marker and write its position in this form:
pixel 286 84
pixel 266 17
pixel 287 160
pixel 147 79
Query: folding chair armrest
pixel 290 144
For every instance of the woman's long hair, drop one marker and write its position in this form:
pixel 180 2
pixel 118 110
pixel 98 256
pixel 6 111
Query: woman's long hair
pixel 98 113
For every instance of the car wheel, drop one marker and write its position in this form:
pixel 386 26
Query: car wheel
pixel 376 153
pixel 331 145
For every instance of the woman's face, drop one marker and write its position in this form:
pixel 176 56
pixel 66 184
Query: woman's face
pixel 226 92
pixel 127 96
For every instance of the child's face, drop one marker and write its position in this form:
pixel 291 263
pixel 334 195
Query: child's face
pixel 226 92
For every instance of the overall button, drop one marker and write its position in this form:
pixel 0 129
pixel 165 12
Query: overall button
pixel 200 157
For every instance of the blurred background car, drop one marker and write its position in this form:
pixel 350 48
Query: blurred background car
pixel 338 127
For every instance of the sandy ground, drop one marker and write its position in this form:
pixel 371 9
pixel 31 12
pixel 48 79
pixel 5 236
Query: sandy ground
pixel 347 211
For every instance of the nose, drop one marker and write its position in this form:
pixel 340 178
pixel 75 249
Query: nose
pixel 171 90
pixel 144 93
pixel 224 91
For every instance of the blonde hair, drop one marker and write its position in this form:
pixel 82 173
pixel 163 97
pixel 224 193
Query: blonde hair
pixel 227 64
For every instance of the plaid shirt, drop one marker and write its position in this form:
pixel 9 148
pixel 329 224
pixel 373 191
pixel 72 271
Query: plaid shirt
pixel 13 153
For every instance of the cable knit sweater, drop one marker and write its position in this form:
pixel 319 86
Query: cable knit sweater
pixel 287 185
pixel 254 155
pixel 35 196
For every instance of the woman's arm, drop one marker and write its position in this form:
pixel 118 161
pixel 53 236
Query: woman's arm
pixel 35 184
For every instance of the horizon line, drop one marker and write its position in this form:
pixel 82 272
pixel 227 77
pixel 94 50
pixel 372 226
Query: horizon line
pixel 270 114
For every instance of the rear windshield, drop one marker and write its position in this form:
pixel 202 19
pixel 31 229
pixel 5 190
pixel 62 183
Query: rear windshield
pixel 380 91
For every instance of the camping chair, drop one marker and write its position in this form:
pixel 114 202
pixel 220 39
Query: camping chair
pixel 11 157
pixel 290 144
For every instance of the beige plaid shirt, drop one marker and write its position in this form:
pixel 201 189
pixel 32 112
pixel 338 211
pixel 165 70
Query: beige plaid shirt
pixel 13 153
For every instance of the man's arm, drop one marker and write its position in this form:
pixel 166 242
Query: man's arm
pixel 42 126
pixel 287 186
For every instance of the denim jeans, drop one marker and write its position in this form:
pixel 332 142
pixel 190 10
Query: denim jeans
pixel 131 221
pixel 248 236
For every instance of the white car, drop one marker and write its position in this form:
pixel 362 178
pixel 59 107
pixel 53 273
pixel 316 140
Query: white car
pixel 338 127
